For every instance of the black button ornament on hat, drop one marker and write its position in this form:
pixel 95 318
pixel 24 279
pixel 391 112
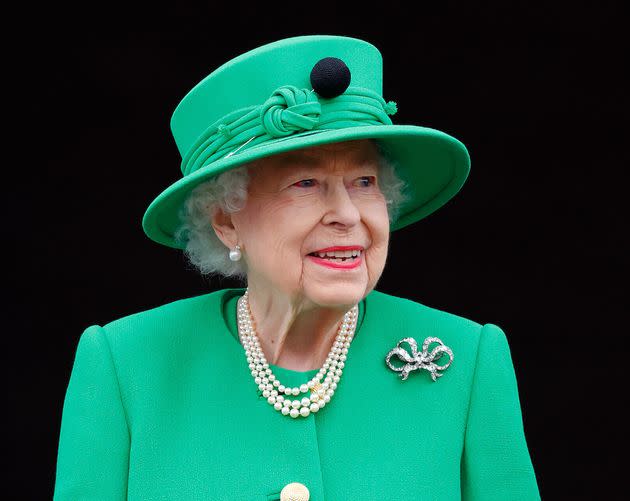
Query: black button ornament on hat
pixel 330 77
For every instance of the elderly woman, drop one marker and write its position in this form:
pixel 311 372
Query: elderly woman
pixel 307 383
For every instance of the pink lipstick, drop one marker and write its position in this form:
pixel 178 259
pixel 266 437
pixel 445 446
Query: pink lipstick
pixel 338 257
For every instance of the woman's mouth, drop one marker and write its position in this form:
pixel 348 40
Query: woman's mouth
pixel 341 259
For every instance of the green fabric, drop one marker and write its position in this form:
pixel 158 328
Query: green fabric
pixel 287 111
pixel 160 405
pixel 261 103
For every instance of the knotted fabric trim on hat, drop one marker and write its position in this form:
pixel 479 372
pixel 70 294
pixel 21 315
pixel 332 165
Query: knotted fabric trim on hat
pixel 288 110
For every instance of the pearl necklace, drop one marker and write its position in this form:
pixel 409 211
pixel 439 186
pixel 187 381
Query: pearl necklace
pixel 272 388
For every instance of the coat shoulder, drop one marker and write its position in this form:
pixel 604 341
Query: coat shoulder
pixel 163 326
pixel 414 316
pixel 416 309
pixel 161 312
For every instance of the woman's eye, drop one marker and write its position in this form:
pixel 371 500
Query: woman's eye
pixel 305 183
pixel 367 181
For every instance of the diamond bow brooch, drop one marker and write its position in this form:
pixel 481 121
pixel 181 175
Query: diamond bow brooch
pixel 420 360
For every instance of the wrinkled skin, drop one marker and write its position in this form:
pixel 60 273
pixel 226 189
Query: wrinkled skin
pixel 299 202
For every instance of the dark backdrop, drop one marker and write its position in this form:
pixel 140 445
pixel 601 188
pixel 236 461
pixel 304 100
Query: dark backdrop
pixel 533 242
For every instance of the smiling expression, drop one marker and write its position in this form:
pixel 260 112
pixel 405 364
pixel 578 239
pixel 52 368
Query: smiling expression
pixel 315 223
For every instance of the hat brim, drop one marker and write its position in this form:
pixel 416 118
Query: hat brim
pixel 433 164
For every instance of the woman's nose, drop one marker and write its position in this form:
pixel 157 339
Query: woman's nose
pixel 340 208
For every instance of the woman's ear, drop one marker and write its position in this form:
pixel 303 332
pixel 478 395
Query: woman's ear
pixel 224 227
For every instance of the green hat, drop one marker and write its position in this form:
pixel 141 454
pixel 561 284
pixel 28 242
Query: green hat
pixel 295 93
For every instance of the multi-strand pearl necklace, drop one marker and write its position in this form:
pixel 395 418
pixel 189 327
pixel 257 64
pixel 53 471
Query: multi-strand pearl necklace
pixel 279 395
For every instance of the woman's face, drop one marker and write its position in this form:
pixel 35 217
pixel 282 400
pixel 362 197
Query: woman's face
pixel 311 199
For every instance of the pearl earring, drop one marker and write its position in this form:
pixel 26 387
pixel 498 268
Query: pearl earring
pixel 235 253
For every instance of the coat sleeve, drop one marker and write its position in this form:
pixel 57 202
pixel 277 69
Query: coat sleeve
pixel 496 465
pixel 93 454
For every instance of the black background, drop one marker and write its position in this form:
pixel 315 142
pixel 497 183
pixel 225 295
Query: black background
pixel 532 243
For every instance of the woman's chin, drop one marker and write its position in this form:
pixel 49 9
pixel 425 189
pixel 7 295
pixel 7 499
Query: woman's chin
pixel 335 294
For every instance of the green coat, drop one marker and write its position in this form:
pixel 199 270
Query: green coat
pixel 161 405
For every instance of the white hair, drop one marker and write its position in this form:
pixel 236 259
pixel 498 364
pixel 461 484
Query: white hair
pixel 228 192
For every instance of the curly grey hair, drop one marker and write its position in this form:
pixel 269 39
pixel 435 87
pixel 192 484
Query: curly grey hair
pixel 228 192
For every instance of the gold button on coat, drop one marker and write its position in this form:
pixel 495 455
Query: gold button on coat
pixel 294 491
